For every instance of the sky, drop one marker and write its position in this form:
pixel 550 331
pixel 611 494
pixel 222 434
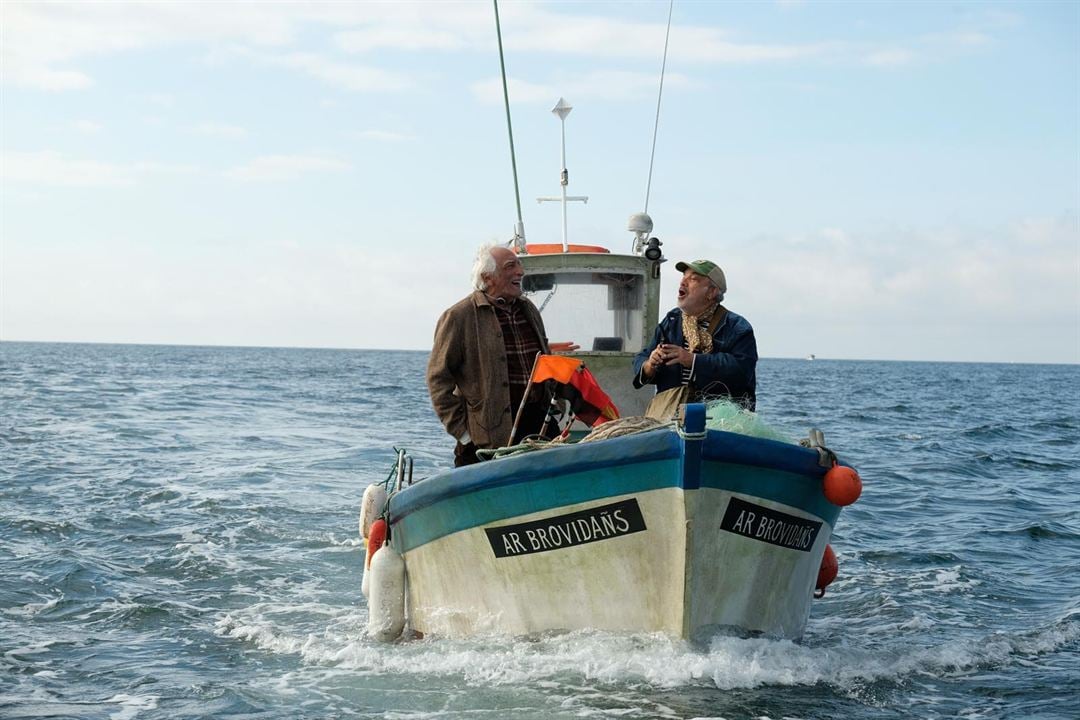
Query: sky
pixel 878 180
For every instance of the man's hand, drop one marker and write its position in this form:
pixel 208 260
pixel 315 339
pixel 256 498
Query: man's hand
pixel 666 354
pixel 679 356
pixel 564 347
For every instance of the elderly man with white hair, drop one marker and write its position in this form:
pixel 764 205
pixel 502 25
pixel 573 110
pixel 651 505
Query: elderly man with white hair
pixel 482 357
pixel 701 344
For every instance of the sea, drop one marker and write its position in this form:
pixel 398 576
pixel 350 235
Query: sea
pixel 178 539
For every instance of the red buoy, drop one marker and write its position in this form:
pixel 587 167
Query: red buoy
pixel 842 485
pixel 827 573
pixel 376 538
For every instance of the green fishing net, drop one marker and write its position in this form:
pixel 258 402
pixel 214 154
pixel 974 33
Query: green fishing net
pixel 722 414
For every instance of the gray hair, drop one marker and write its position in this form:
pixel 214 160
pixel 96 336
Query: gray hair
pixel 714 286
pixel 483 265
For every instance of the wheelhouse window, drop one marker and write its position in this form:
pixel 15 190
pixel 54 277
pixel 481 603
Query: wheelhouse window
pixel 599 311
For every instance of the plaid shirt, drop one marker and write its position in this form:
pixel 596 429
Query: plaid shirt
pixel 522 344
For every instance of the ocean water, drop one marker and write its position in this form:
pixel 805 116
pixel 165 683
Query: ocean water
pixel 178 540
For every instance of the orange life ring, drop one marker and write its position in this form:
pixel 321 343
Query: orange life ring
pixel 556 248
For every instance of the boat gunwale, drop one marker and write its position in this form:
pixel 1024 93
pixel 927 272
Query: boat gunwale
pixel 718 446
pixel 499 472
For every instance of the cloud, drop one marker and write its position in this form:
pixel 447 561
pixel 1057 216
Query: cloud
pixel 161 100
pixel 277 168
pixel 490 91
pixel 935 274
pixel 400 38
pixel 540 27
pixel 220 130
pixel 892 57
pixel 48 78
pixel 1004 293
pixel 343 75
pixel 930 47
pixel 213 293
pixel 43 41
pixel 532 27
pixel 384 136
pixel 53 169
pixel 599 85
pixel 87 127
pixel 960 39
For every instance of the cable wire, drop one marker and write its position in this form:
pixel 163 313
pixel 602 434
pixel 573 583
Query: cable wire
pixel 509 127
pixel 659 95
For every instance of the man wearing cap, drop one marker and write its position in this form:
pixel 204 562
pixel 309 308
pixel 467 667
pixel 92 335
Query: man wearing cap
pixel 701 343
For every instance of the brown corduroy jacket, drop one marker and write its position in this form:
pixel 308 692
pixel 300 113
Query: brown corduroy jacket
pixel 467 373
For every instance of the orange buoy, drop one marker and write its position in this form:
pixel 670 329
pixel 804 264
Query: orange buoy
pixel 842 485
pixel 376 538
pixel 827 572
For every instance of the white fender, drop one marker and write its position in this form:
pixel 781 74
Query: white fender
pixel 371 507
pixel 365 584
pixel 386 603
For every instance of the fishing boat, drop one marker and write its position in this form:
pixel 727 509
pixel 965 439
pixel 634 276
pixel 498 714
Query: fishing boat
pixel 677 527
pixel 680 526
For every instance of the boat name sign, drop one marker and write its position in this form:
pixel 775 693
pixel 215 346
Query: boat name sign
pixel 768 525
pixel 561 531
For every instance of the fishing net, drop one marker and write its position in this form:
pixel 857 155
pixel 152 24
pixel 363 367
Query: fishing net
pixel 723 414
pixel 720 414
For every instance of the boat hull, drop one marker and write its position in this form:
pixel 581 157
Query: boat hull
pixel 678 532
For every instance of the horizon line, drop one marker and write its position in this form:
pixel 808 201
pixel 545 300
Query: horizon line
pixel 815 358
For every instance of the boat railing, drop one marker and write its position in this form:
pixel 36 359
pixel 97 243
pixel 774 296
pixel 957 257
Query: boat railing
pixel 404 470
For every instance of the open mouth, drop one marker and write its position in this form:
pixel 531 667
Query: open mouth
pixel 682 293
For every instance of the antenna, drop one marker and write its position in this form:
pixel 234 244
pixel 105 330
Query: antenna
pixel 561 110
pixel 519 229
pixel 659 95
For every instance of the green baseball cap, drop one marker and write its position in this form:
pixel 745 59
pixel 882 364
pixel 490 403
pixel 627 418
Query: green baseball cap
pixel 707 268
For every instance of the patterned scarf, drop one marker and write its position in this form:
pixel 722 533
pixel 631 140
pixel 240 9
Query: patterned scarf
pixel 695 329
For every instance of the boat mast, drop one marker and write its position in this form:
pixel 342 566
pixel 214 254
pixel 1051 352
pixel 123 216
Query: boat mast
pixel 561 110
pixel 519 229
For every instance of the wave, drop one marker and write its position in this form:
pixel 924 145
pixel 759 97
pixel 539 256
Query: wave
pixel 727 663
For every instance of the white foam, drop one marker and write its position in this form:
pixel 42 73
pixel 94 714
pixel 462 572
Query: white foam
pixel 617 659
pixel 32 609
pixel 131 705
pixel 950 580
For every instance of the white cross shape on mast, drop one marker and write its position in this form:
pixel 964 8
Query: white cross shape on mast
pixel 562 109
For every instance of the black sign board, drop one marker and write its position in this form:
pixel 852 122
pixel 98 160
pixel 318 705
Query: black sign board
pixel 561 531
pixel 768 525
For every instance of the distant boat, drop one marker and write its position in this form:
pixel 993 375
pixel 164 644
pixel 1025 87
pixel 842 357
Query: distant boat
pixel 811 357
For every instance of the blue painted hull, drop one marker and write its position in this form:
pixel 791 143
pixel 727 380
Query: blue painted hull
pixel 657 531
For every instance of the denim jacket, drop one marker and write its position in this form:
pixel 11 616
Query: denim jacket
pixel 728 370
